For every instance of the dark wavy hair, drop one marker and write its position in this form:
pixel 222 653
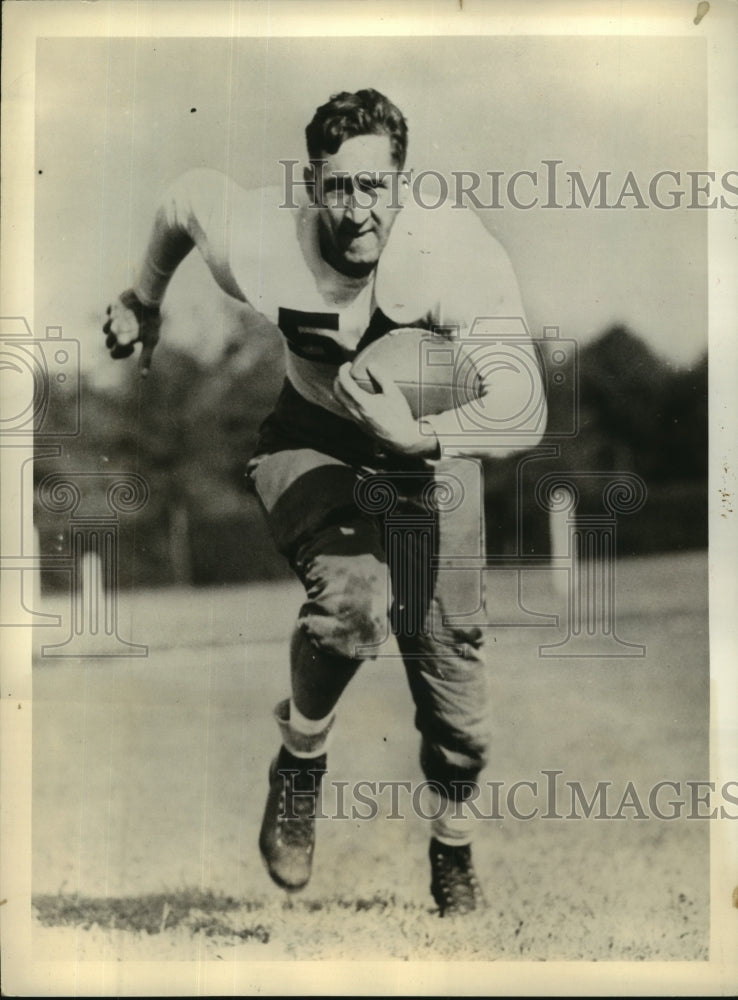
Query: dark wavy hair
pixel 367 112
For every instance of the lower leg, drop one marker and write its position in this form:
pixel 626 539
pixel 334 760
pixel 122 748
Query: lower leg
pixel 287 836
pixel 451 713
pixel 454 884
pixel 318 677
pixel 453 822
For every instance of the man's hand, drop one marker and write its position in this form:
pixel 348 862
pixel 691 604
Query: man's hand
pixel 131 322
pixel 384 414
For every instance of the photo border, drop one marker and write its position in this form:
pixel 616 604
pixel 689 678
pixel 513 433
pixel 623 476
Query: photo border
pixel 23 23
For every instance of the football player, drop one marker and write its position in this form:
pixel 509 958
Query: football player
pixel 337 262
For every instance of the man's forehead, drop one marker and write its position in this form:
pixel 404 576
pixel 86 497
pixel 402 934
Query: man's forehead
pixel 362 152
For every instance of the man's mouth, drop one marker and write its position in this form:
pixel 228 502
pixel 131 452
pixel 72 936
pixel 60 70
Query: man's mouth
pixel 358 234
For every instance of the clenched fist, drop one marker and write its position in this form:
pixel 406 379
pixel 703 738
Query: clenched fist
pixel 131 322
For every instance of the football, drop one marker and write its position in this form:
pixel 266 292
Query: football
pixel 434 372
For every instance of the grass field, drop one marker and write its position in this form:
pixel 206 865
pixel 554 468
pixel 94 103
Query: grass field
pixel 150 775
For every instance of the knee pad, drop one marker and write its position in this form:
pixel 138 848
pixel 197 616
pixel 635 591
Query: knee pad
pixel 347 605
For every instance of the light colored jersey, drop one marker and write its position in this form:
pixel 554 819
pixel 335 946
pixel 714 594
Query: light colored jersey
pixel 440 268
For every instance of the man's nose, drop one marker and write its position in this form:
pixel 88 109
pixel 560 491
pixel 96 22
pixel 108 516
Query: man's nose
pixel 358 208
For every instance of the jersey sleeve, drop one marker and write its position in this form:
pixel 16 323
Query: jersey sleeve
pixel 204 209
pixel 481 302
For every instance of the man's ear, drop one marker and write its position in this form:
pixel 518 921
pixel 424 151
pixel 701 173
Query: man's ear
pixel 403 188
pixel 311 176
pixel 308 175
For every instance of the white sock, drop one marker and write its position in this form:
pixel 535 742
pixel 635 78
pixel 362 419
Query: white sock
pixel 308 727
pixel 303 737
pixel 455 824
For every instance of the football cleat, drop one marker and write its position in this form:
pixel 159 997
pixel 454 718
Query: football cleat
pixel 454 884
pixel 287 837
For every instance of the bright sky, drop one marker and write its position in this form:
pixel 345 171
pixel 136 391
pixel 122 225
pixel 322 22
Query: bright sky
pixel 115 123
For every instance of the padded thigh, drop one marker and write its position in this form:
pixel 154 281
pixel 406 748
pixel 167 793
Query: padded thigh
pixel 301 491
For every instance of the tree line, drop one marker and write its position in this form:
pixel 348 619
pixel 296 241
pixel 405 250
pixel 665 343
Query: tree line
pixel 190 427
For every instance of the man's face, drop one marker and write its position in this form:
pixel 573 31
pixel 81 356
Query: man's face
pixel 358 194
